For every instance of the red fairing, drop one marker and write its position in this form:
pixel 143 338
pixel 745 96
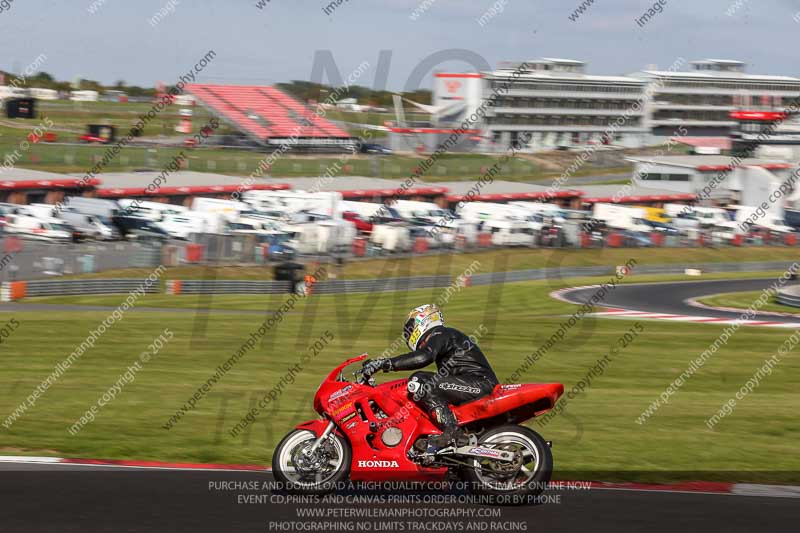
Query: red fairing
pixel 522 401
pixel 363 414
pixel 317 427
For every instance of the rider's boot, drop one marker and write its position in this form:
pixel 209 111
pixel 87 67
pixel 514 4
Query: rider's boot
pixel 452 435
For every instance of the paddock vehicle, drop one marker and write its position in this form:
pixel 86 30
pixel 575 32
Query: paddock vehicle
pixel 621 217
pixel 230 209
pixel 509 232
pixel 370 432
pixel 155 211
pixel 182 225
pixel 40 229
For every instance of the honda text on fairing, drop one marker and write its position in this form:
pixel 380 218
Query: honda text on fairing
pixel 370 432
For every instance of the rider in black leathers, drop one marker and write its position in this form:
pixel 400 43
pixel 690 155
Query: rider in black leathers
pixel 463 375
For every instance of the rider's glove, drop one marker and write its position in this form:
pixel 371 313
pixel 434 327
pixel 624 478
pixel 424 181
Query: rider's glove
pixel 372 367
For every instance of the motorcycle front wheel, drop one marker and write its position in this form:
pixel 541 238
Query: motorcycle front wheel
pixel 524 477
pixel 299 471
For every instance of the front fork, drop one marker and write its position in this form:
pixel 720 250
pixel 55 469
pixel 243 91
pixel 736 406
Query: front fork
pixel 325 434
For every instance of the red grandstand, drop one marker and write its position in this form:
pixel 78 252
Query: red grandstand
pixel 270 116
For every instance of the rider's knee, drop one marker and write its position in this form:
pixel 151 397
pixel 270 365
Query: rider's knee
pixel 419 383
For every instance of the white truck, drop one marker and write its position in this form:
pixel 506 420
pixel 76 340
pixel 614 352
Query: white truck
pixel 480 213
pixel 230 209
pixel 510 232
pixel 155 211
pixel 324 203
pixel 621 217
pixel 747 217
pixel 423 210
pixel 553 211
pixel 711 216
pixel 392 237
pixel 182 225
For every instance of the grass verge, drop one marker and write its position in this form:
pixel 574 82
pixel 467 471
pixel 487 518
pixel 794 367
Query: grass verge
pixel 743 300
pixel 597 432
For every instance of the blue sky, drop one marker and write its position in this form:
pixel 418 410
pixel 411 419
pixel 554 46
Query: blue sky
pixel 278 43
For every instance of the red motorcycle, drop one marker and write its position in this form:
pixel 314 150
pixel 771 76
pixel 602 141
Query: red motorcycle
pixel 372 432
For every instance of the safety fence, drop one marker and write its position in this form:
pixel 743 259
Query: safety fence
pixel 20 289
pixel 16 290
pixel 219 286
pixel 27 260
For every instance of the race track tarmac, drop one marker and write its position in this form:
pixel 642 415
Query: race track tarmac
pixel 71 498
pixel 671 298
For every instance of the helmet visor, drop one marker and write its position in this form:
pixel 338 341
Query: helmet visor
pixel 408 329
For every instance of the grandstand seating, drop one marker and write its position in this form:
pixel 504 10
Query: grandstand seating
pixel 265 113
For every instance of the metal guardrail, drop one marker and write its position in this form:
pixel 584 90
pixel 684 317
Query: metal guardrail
pixel 220 286
pixel 66 287
pixel 381 285
pixel 114 286
pixel 442 281
pixel 322 287
pixel 789 296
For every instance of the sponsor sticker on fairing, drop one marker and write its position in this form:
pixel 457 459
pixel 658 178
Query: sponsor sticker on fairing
pixel 486 452
pixel 342 409
pixel 378 464
pixel 339 393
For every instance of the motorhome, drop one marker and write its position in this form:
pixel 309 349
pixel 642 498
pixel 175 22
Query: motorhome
pixel 480 213
pixel 324 203
pixel 620 217
pixel 251 225
pixel 424 210
pixel 335 235
pixel 711 216
pixel 370 211
pixel 391 237
pixel 38 228
pixel 510 233
pixel 554 211
pixel 747 218
pixel 320 237
pixel 182 225
pixel 155 211
pixel 35 210
pixel 705 216
pixel 91 226
pixel 230 209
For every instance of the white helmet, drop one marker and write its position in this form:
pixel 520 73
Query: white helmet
pixel 419 321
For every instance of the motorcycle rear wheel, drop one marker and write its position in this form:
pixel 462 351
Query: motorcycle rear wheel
pixel 334 463
pixel 524 479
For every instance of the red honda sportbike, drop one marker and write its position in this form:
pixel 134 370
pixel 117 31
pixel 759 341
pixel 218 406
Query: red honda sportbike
pixel 376 433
